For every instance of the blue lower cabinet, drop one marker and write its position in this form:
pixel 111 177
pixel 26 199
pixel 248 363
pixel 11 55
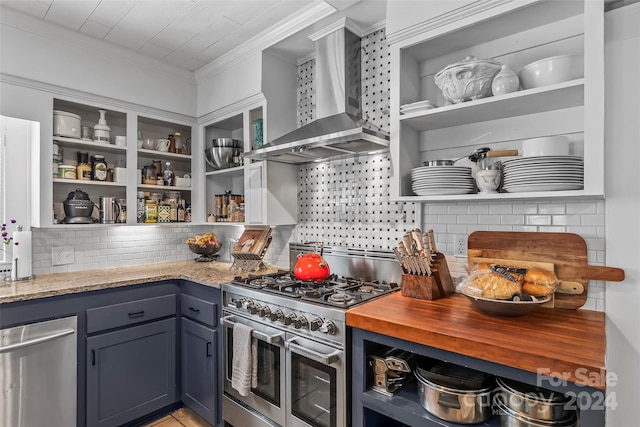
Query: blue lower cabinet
pixel 131 372
pixel 199 369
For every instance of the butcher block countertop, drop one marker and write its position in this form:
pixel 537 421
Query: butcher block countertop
pixel 566 342
pixel 48 285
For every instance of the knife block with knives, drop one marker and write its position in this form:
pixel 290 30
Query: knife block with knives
pixel 425 271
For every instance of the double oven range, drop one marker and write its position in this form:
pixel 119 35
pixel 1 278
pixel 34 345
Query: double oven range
pixel 302 341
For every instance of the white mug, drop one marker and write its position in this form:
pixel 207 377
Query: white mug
pixel 121 141
pixel 163 145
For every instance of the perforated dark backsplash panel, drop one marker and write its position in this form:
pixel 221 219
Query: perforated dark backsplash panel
pixel 375 83
pixel 375 79
pixel 346 202
pixel 306 99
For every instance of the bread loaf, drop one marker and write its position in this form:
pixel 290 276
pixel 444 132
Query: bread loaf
pixel 495 286
pixel 539 283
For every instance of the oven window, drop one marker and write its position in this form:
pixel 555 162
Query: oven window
pixel 268 370
pixel 313 391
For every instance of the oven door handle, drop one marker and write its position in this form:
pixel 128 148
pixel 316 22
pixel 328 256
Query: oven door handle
pixel 325 359
pixel 269 339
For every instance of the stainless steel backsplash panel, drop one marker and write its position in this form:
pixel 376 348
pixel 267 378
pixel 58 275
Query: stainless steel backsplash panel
pixel 365 264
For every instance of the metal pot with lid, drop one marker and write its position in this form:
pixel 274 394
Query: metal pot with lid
pixel 78 207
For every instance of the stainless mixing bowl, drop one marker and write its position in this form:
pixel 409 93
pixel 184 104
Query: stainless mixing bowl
pixel 219 157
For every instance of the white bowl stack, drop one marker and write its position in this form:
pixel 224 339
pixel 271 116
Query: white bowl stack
pixel 442 180
pixel 543 173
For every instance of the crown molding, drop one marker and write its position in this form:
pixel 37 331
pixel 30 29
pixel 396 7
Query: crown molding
pixel 230 110
pixel 345 23
pixel 90 98
pixel 278 32
pixel 475 8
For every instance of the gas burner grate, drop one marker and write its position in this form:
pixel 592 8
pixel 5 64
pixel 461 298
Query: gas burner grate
pixel 341 292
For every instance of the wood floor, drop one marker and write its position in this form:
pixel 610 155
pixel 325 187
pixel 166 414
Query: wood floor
pixel 183 417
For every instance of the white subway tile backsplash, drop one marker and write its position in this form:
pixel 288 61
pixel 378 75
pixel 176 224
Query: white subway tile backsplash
pixel 552 229
pixel 592 219
pixel 566 219
pixel 538 220
pixel 581 208
pixel 467 219
pixel 435 209
pixel 457 209
pixel 512 219
pixel 552 208
pixel 489 219
pixel 500 208
pixel 447 219
pixel 525 209
pixel 478 209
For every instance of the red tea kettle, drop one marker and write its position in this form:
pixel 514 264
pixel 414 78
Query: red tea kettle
pixel 311 268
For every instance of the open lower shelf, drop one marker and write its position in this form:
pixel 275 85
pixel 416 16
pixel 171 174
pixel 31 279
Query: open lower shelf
pixel 88 145
pixel 165 155
pixel 406 408
pixel 229 171
pixel 501 196
pixel 162 187
pixel 76 182
pixel 549 98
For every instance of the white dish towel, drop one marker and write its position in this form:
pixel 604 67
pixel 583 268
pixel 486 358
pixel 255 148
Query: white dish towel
pixel 245 354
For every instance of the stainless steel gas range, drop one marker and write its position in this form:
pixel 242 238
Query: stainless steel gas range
pixel 302 340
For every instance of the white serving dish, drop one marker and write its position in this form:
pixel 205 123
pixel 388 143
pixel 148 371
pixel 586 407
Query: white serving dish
pixel 551 70
pixel 66 124
pixel 467 80
pixel 557 145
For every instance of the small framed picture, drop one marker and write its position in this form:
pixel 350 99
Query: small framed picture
pixel 253 240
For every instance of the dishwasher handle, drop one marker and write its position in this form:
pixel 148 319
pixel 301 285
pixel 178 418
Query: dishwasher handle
pixel 35 341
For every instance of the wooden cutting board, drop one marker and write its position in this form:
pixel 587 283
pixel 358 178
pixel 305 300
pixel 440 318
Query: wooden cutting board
pixel 566 251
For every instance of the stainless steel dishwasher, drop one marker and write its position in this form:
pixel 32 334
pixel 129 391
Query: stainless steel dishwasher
pixel 38 374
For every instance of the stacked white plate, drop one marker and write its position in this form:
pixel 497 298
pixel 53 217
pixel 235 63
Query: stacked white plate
pixel 417 106
pixel 442 180
pixel 543 173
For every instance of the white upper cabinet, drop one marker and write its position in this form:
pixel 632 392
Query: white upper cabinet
pixel 514 33
pixel 269 191
pixel 61 150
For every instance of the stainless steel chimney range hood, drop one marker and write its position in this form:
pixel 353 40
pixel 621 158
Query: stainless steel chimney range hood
pixel 339 129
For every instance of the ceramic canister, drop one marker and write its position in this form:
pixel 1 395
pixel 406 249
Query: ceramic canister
pixel 506 81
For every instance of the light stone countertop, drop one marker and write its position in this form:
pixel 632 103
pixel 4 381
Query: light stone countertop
pixel 211 274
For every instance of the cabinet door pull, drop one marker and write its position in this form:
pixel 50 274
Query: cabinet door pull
pixel 93 357
pixel 195 310
pixel 209 349
pixel 137 314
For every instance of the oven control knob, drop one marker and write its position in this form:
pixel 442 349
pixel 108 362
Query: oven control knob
pixel 264 311
pixel 301 323
pixel 240 302
pixel 253 308
pixel 315 324
pixel 290 319
pixel 328 327
pixel 276 315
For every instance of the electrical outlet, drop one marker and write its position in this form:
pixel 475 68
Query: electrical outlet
pixel 460 245
pixel 62 255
